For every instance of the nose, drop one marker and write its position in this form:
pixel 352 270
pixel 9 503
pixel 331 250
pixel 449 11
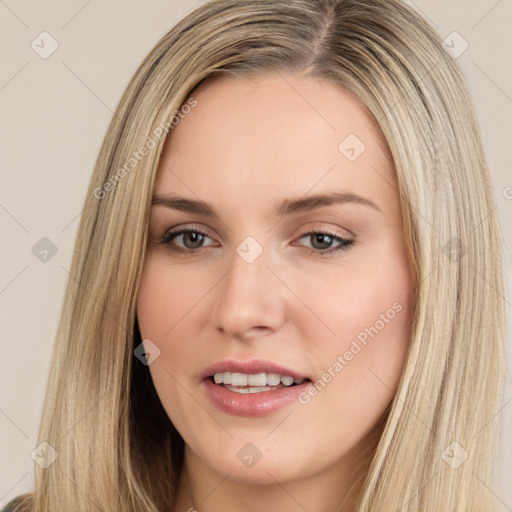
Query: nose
pixel 250 299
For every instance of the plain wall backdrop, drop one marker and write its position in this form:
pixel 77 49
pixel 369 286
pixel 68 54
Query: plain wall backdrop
pixel 55 108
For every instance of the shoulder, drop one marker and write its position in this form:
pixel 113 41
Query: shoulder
pixel 12 505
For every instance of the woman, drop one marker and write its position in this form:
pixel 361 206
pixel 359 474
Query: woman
pixel 286 287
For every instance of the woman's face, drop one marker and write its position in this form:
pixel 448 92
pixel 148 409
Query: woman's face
pixel 292 265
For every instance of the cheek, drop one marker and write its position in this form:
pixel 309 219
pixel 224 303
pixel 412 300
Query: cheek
pixel 165 298
pixel 170 312
pixel 160 313
pixel 360 362
pixel 366 302
pixel 159 310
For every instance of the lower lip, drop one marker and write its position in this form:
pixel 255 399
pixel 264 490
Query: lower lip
pixel 253 404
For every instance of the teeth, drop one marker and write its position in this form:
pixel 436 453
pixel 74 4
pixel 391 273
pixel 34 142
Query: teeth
pixel 256 380
pixel 286 380
pixel 238 379
pixel 273 379
pixel 253 389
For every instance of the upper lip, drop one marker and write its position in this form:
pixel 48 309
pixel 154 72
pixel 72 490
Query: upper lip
pixel 251 366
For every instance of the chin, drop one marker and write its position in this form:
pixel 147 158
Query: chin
pixel 244 463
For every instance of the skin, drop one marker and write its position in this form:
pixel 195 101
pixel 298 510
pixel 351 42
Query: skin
pixel 246 146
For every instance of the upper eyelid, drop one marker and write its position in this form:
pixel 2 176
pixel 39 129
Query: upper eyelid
pixel 196 227
pixel 186 229
pixel 193 228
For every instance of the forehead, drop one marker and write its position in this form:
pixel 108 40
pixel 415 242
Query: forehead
pixel 274 135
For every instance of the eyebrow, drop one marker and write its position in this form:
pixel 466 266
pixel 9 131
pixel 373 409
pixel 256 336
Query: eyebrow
pixel 286 207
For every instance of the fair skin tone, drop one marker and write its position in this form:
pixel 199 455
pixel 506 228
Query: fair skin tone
pixel 247 146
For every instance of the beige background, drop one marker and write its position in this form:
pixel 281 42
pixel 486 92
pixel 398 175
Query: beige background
pixel 54 113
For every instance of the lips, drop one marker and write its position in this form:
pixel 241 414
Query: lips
pixel 252 388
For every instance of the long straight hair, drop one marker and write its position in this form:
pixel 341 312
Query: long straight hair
pixel 117 449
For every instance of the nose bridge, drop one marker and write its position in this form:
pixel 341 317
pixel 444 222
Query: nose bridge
pixel 248 296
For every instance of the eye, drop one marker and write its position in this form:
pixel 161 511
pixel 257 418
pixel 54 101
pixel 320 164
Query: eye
pixel 192 239
pixel 320 239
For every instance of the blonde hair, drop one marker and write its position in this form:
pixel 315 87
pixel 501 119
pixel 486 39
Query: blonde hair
pixel 117 449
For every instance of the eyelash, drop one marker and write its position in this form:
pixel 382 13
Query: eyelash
pixel 344 243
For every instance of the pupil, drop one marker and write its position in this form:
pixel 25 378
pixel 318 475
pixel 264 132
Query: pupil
pixel 326 239
pixel 196 239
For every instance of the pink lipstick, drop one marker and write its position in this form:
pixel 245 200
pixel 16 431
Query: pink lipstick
pixel 252 388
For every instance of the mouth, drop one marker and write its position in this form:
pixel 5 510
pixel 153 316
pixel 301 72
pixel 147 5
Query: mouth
pixel 252 388
pixel 254 382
